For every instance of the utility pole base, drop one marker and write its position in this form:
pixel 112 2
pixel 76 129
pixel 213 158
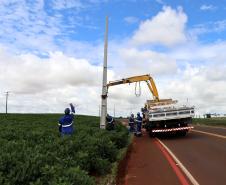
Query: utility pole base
pixel 102 127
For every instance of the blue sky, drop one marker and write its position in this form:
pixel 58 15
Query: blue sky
pixel 51 48
pixel 76 20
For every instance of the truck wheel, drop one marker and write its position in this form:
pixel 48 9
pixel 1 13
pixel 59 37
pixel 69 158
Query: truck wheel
pixel 182 133
pixel 151 134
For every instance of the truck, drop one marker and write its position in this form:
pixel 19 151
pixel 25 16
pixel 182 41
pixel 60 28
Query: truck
pixel 161 115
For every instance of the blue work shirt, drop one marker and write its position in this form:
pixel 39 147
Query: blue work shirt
pixel 110 119
pixel 131 123
pixel 139 123
pixel 66 123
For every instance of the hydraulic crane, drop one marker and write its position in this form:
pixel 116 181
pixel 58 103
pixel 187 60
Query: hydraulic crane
pixel 147 78
pixel 151 86
pixel 161 116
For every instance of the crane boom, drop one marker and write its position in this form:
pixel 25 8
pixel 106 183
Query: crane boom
pixel 147 78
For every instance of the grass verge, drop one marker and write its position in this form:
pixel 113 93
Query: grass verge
pixel 111 179
pixel 209 121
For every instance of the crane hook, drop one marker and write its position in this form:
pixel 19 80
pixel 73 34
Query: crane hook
pixel 137 92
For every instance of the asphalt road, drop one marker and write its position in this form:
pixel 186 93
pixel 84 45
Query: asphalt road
pixel 202 154
pixel 210 129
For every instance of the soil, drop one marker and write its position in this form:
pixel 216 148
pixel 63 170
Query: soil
pixel 144 164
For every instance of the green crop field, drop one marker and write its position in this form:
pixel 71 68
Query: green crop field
pixel 210 121
pixel 34 153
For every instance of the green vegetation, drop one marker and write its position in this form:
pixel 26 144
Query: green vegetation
pixel 210 121
pixel 33 152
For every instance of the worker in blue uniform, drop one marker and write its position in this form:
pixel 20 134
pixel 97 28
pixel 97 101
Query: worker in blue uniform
pixel 144 111
pixel 110 122
pixel 132 123
pixel 66 121
pixel 138 124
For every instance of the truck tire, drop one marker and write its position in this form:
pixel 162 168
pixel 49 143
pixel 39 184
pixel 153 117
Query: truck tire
pixel 151 134
pixel 182 133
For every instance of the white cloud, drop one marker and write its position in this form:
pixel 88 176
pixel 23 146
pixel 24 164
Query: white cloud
pixel 34 27
pixel 147 62
pixel 29 74
pixel 131 20
pixel 86 100
pixel 201 54
pixel 166 28
pixel 160 1
pixel 202 88
pixel 47 85
pixel 192 72
pixel 74 4
pixel 205 7
pixel 26 26
pixel 209 27
pixel 80 50
pixel 66 4
pixel 201 77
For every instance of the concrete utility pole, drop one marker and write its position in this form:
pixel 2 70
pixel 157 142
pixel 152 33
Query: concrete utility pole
pixel 104 86
pixel 6 102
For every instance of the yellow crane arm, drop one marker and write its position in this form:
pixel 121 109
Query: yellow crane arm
pixel 147 78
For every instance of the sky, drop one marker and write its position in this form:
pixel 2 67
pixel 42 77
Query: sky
pixel 51 53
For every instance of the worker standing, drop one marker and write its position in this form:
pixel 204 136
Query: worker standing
pixel 144 111
pixel 131 123
pixel 66 121
pixel 139 124
pixel 110 122
pixel 144 114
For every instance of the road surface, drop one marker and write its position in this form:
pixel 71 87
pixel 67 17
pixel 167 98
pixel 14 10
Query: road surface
pixel 201 159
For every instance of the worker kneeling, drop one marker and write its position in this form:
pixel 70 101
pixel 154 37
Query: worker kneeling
pixel 138 124
pixel 66 121
pixel 110 122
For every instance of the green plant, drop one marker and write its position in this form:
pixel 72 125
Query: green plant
pixel 33 152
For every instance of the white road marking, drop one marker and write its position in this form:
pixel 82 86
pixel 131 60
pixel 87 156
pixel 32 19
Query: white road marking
pixel 186 172
pixel 208 133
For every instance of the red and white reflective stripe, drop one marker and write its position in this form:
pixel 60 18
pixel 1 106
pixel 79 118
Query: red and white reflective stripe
pixel 172 129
